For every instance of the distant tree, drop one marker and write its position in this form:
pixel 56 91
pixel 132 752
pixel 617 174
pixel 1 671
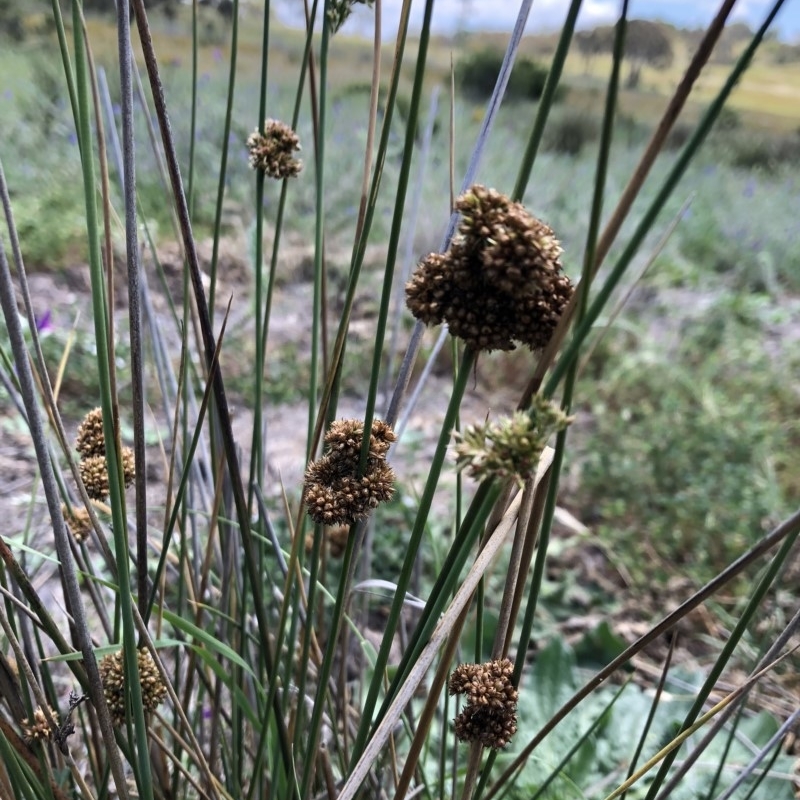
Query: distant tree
pixel 592 43
pixel 783 53
pixel 646 43
pixel 478 72
pixel 11 21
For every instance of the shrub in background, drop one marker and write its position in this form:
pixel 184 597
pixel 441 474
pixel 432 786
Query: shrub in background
pixel 570 131
pixel 477 75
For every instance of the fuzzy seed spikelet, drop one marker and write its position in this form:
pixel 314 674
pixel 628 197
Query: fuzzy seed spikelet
pixel 500 282
pixel 511 446
pixel 335 492
pixel 490 715
pixel 112 673
pixel 78 522
pixel 37 728
pixel 272 151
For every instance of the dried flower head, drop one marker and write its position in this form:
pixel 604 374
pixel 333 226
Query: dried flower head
pixel 78 522
pixel 112 673
pixel 335 492
pixel 490 716
pixel 340 10
pixel 37 728
pixel 499 283
pixel 272 151
pixel 91 439
pixel 511 446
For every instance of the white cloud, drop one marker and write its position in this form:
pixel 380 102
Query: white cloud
pixel 449 15
pixel 546 15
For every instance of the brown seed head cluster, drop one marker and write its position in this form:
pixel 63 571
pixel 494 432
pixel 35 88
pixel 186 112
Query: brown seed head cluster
pixel 335 537
pixel 340 10
pixel 511 446
pixel 500 283
pixel 490 716
pixel 91 444
pixel 78 522
pixel 337 540
pixel 272 150
pixel 112 673
pixel 335 493
pixel 37 729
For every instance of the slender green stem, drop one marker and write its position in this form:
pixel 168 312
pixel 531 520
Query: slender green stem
pixel 134 711
pixel 134 295
pixel 394 236
pixel 415 539
pixel 649 217
pixel 327 405
pixel 546 101
pixel 223 161
pixel 192 114
pixel 313 731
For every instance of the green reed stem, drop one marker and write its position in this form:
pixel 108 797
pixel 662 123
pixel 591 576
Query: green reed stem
pixel 192 115
pixel 425 502
pixel 546 101
pixel 313 731
pixel 223 162
pixel 648 219
pixel 731 643
pixel 327 405
pixel 135 711
pixel 319 232
pixel 394 236
pixel 134 295
pixel 257 453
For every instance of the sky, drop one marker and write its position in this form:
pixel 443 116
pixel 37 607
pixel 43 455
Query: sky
pixel 548 15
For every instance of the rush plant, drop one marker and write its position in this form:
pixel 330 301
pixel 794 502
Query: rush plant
pixel 200 623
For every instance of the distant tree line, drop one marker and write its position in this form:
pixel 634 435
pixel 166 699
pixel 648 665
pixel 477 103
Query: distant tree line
pixel 646 43
pixel 13 13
